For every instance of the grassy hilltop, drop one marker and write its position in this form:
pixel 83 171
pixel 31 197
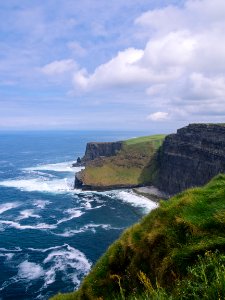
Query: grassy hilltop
pixel 175 252
pixel 133 164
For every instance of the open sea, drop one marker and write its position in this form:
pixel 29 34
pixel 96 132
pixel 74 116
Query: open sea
pixel 51 234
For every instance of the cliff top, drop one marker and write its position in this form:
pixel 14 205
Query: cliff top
pixel 200 126
pixel 207 124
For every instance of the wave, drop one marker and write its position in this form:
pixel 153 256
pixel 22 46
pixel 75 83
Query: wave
pixel 16 249
pixel 73 213
pixel 8 256
pixel 41 203
pixel 58 167
pixel 134 199
pixel 7 206
pixel 27 213
pixel 47 249
pixel 27 271
pixel 16 225
pixel 40 185
pixel 69 261
pixel 39 174
pixel 30 271
pixel 87 227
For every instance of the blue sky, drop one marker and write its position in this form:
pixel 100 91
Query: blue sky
pixel 94 64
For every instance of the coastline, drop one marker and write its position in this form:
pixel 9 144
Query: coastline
pixel 151 193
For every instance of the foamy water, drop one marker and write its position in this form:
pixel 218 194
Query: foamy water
pixel 51 234
pixel 58 167
pixel 7 206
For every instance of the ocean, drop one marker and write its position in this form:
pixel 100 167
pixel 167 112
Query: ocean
pixel 50 234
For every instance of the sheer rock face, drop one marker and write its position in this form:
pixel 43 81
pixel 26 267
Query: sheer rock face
pixel 94 150
pixel 191 157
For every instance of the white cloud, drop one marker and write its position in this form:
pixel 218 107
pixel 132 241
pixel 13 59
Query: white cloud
pixel 181 66
pixel 59 67
pixel 121 70
pixel 158 116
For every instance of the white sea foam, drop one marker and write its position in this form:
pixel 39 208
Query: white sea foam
pixel 64 260
pixel 40 185
pixel 88 206
pixel 30 271
pixel 7 206
pixel 85 228
pixel 41 203
pixel 8 256
pixel 59 167
pixel 16 225
pixel 72 213
pixel 27 213
pixel 47 249
pixel 135 200
pixel 16 249
pixel 39 173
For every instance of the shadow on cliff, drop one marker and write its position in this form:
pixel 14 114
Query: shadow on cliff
pixel 150 173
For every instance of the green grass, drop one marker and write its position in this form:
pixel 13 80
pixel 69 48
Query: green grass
pixel 168 246
pixel 142 139
pixel 133 164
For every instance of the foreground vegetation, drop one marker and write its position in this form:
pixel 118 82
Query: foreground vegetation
pixel 133 165
pixel 175 252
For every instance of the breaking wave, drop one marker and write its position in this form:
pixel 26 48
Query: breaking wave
pixel 87 227
pixel 59 167
pixel 7 206
pixel 135 200
pixel 40 185
pixel 71 263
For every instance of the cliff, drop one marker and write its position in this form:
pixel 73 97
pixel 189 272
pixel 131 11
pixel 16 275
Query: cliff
pixel 119 165
pixel 191 157
pixel 95 150
pixel 158 258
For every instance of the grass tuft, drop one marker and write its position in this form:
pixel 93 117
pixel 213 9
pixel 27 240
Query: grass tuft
pixel 175 252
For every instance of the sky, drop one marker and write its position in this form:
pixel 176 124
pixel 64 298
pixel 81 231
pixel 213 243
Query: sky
pixel 153 65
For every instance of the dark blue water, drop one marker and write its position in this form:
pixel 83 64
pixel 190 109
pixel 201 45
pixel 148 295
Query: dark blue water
pixel 50 234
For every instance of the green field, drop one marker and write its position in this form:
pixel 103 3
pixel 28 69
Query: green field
pixel 133 165
pixel 151 138
pixel 175 252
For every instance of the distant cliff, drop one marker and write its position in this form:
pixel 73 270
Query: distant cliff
pixel 191 157
pixel 118 165
pixel 95 150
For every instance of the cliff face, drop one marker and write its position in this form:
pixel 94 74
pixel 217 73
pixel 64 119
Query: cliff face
pixel 191 157
pixel 95 150
pixel 110 168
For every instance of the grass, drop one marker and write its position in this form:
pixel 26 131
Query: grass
pixel 152 138
pixel 133 165
pixel 175 252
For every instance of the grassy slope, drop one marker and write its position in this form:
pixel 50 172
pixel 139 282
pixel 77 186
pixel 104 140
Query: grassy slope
pixel 132 165
pixel 164 246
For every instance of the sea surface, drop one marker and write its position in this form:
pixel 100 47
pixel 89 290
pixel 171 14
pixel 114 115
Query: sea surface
pixel 51 234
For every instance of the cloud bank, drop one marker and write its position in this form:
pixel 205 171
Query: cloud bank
pixel 181 68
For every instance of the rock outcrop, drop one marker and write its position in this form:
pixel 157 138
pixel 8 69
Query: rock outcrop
pixel 118 165
pixel 191 157
pixel 96 149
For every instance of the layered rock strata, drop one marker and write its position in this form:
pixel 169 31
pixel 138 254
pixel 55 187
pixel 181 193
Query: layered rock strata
pixel 96 149
pixel 191 157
